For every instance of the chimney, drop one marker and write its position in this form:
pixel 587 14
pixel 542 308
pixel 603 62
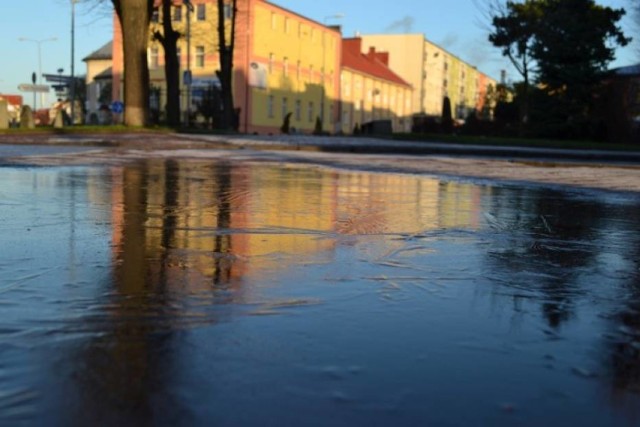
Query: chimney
pixel 383 57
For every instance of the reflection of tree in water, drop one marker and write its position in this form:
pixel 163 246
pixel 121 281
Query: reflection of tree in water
pixel 624 338
pixel 120 370
pixel 222 246
pixel 125 372
pixel 547 239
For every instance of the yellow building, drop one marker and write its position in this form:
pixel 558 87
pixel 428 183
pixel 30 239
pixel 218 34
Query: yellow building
pixel 371 91
pixel 434 73
pixel 283 63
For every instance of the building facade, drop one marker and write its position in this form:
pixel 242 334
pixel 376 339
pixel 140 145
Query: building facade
pixel 98 78
pixel 434 73
pixel 283 63
pixel 370 91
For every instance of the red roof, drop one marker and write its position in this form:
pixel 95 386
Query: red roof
pixel 372 63
pixel 12 99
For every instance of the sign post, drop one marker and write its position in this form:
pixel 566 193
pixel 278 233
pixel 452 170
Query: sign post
pixel 26 87
pixel 33 81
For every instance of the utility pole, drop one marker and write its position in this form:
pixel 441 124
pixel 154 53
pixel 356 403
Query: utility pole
pixel 72 84
pixel 187 80
pixel 39 76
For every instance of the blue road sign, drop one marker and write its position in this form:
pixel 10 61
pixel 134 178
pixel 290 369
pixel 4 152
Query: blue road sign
pixel 117 107
pixel 187 78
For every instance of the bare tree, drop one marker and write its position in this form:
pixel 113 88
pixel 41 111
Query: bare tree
pixel 168 38
pixel 226 49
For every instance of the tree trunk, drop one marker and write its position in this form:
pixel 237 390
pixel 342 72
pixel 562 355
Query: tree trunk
pixel 169 41
pixel 134 18
pixel 225 74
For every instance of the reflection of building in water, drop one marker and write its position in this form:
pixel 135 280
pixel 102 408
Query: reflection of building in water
pixel 375 203
pixel 191 224
pixel 287 211
pixel 167 218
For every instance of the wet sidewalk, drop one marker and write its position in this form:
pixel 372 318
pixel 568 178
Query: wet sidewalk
pixel 159 279
pixel 603 170
pixel 338 144
pixel 387 146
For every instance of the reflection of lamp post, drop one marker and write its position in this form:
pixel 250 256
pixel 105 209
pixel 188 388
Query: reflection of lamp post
pixel 39 76
pixel 322 90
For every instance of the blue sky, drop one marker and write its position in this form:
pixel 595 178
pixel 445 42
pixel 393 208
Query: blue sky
pixel 454 24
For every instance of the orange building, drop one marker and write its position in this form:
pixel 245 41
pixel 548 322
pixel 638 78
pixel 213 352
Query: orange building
pixel 283 63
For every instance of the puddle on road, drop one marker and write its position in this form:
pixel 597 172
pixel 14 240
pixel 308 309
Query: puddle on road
pixel 192 293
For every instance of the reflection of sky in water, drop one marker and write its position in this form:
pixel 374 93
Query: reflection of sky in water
pixel 199 293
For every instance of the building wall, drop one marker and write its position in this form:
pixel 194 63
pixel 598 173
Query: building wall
pixel 95 67
pixel 298 57
pixel 118 61
pixel 366 98
pixel 405 59
pixel 301 60
pixel 433 72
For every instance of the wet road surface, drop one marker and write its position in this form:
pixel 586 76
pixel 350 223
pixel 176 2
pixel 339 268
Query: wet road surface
pixel 185 292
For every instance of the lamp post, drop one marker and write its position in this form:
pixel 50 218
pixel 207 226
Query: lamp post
pixel 188 72
pixel 322 89
pixel 72 83
pixel 39 76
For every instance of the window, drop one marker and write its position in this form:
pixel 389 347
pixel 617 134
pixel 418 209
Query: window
pixel 228 11
pixel 271 62
pixel 299 66
pixel 274 21
pixel 201 12
pixel 298 110
pixel 310 112
pixel 200 56
pixel 270 102
pixel 445 83
pixel 287 25
pixel 153 57
pixel 179 55
pixel 177 13
pixel 155 16
pixel 311 78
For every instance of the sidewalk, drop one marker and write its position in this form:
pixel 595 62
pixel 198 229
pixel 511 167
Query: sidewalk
pixel 337 144
pixel 602 170
pixel 386 146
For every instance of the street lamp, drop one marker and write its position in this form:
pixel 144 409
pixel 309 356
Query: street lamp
pixel 72 84
pixel 39 76
pixel 187 80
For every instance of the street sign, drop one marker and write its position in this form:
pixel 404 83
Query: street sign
pixel 26 87
pixel 117 107
pixel 187 78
